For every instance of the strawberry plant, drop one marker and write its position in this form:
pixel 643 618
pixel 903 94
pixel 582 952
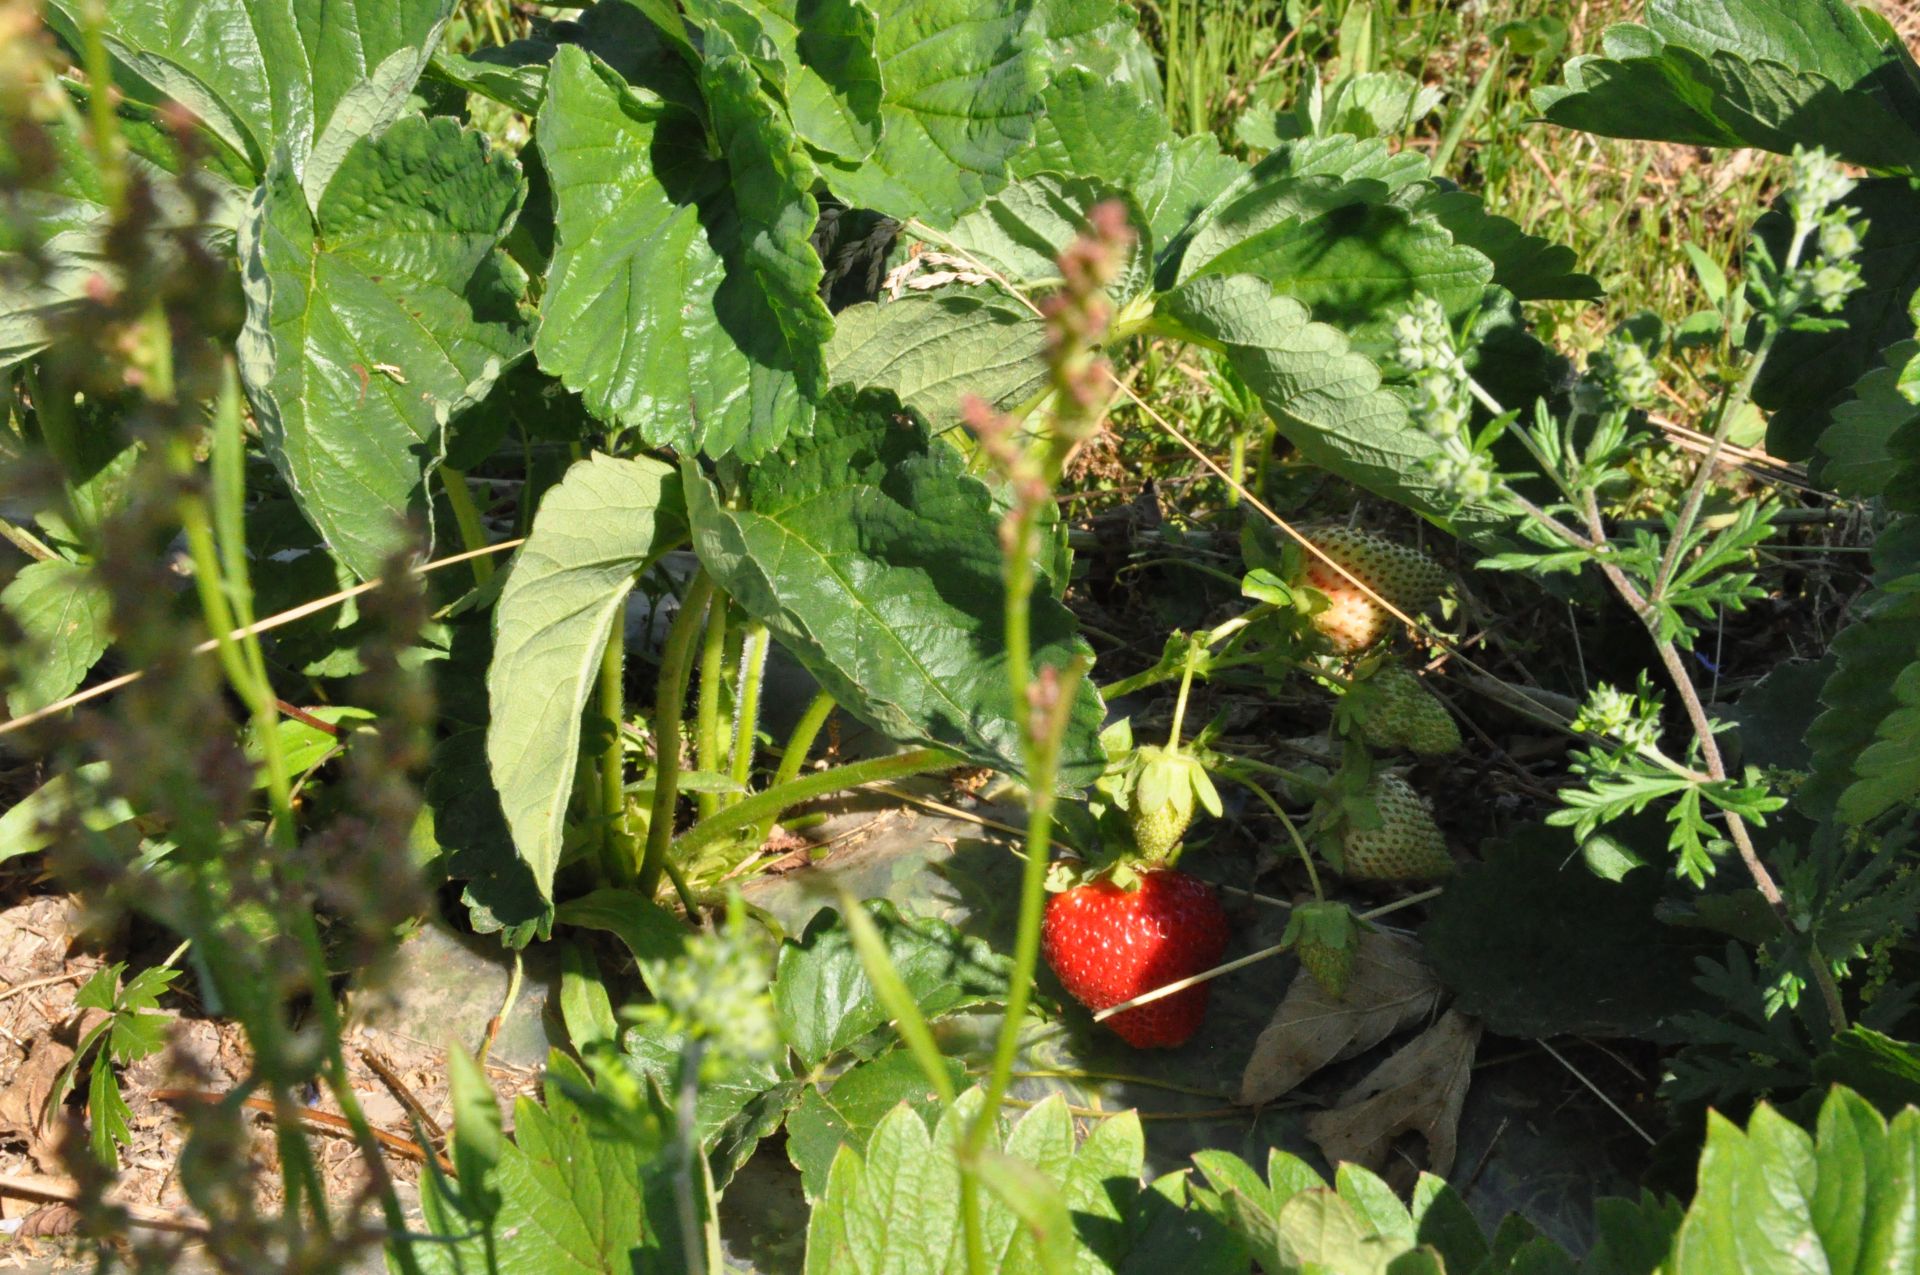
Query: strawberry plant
pixel 585 441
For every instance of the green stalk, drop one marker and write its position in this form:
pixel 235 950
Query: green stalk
pixel 770 803
pixel 746 706
pixel 1180 705
pixel 616 839
pixel 799 744
pixel 676 665
pixel 1476 103
pixel 713 659
pixel 466 516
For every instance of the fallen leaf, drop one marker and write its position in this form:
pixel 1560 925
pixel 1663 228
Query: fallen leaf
pixel 1419 1089
pixel 1390 989
pixel 23 1101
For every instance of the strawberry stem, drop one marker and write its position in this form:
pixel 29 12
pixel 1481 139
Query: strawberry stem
pixel 1180 704
pixel 1286 821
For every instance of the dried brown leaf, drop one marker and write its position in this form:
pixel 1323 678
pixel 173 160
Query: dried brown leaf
pixel 1419 1090
pixel 1390 989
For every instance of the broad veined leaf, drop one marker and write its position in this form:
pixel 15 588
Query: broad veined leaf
pixel 1531 268
pixel 50 247
pixel 634 37
pixel 568 585
pixel 649 313
pixel 375 320
pixel 772 185
pixel 739 1102
pixel 1301 180
pixel 1810 374
pixel 934 349
pixel 1866 746
pixel 312 76
pixel 1326 399
pixel 893 1207
pixel 961 83
pixel 826 1003
pixel 1177 193
pixel 32 823
pixel 567 1194
pixel 875 559
pixel 1857 456
pixel 819 55
pixel 1104 114
pixel 66 618
pixel 1773 1198
pixel 1020 232
pixel 1767 73
pixel 847 1113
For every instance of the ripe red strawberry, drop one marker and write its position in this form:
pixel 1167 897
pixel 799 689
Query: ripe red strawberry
pixel 1403 576
pixel 1109 944
pixel 1406 714
pixel 1407 846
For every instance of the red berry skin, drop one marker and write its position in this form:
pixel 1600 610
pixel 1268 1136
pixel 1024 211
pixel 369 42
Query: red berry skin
pixel 1109 944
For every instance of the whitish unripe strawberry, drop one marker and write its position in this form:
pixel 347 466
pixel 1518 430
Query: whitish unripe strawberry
pixel 1407 846
pixel 1405 714
pixel 1405 577
pixel 1324 937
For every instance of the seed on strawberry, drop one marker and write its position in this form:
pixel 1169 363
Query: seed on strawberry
pixel 1405 577
pixel 1108 944
pixel 1407 846
pixel 1405 714
pixel 1324 936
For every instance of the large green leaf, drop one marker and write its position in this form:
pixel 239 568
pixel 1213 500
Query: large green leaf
pixel 847 1113
pixel 893 1208
pixel 1326 399
pixel 772 183
pixel 1866 746
pixel 1767 73
pixel 875 559
pixel 32 823
pixel 1857 458
pixel 1773 1200
pixel 819 55
pixel 739 1102
pixel 934 349
pixel 309 76
pixel 568 586
pixel 65 617
pixel 1020 233
pixel 571 1194
pixel 826 1002
pixel 961 85
pixel 649 312
pixel 372 322
pixel 50 241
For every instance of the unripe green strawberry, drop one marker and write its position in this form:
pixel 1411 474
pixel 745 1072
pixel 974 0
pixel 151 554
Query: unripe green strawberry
pixel 1407 846
pixel 1405 714
pixel 1324 937
pixel 1166 786
pixel 1405 577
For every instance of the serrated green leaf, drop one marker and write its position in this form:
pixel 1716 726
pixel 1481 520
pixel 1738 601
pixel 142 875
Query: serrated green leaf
pixel 574 1196
pixel 308 75
pixel 567 587
pixel 875 560
pixel 374 321
pixel 1881 1069
pixel 30 823
pixel 478 1143
pixel 1773 1199
pixel 1528 266
pixel 1325 398
pixel 1767 73
pixel 822 63
pixel 108 1114
pixel 848 1112
pixel 1866 744
pixel 1856 455
pixel 738 1103
pixel 826 1003
pixel 933 349
pixel 772 185
pixel 893 1209
pixel 647 314
pixel 1020 232
pixel 961 89
pixel 66 618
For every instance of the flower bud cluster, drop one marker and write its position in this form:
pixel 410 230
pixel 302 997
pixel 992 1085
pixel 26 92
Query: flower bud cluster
pixel 1824 278
pixel 1629 719
pixel 1442 403
pixel 716 992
